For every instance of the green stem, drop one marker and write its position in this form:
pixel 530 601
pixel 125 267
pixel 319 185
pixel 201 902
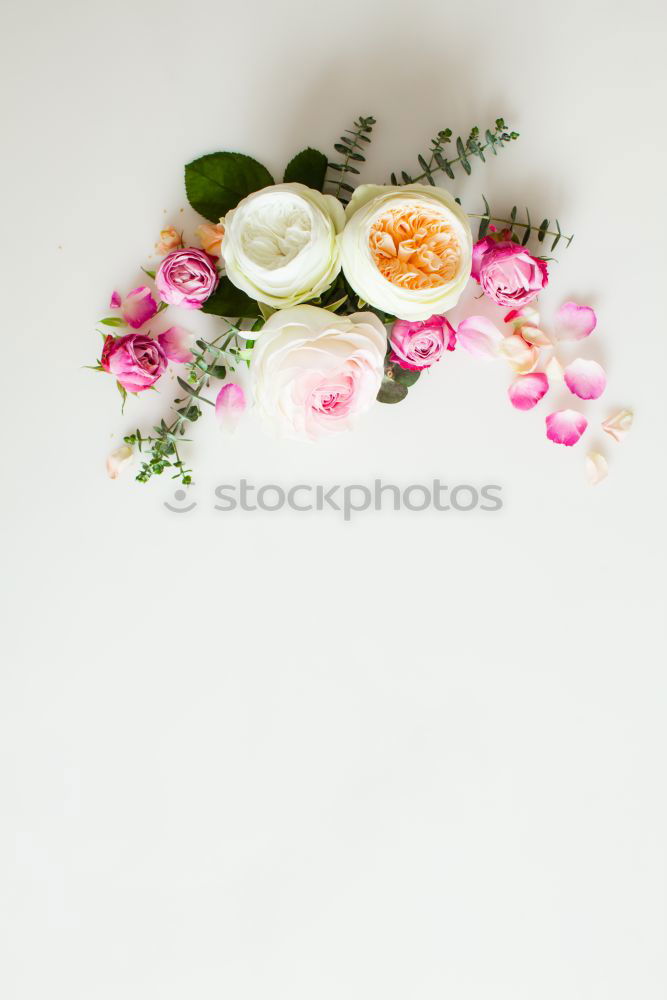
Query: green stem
pixel 523 225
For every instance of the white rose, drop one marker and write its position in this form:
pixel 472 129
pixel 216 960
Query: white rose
pixel 313 373
pixel 406 250
pixel 281 244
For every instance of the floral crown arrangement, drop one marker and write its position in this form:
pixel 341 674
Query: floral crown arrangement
pixel 333 295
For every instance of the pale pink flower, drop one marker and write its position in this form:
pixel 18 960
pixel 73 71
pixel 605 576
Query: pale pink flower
pixel 210 236
pixel 420 344
pixel 177 344
pixel 186 278
pixel 566 426
pixel 230 405
pixel 526 391
pixel 169 240
pixel 574 322
pixel 585 379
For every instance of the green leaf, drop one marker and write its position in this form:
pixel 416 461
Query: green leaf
pixel 123 395
pixel 544 225
pixel 151 274
pixel 228 300
pixel 405 377
pixel 391 391
pixel 113 321
pixel 526 235
pixel 217 182
pixel 465 163
pixel 308 167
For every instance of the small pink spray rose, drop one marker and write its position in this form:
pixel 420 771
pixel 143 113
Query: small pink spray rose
pixel 418 345
pixel 136 361
pixel 506 271
pixel 186 278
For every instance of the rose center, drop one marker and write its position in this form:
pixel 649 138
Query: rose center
pixel 276 230
pixel 414 247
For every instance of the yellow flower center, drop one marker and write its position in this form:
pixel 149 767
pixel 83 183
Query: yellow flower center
pixel 415 248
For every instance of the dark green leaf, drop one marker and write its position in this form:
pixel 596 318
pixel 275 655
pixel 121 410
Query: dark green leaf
pixel 405 377
pixel 228 300
pixel 526 235
pixel 217 182
pixel 544 225
pixel 391 391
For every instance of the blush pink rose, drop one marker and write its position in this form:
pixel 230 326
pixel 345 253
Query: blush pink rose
pixel 136 361
pixel 186 278
pixel 507 273
pixel 418 345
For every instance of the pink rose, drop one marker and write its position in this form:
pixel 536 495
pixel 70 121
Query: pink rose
pixel 135 360
pixel 507 273
pixel 186 278
pixel 419 345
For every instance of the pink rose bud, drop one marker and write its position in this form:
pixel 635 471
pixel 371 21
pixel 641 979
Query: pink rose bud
pixel 508 274
pixel 136 361
pixel 230 405
pixel 169 240
pixel 210 237
pixel 118 460
pixel 186 278
pixel 419 345
pixel 138 307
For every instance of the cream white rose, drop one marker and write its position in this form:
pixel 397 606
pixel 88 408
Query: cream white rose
pixel 281 244
pixel 406 250
pixel 313 373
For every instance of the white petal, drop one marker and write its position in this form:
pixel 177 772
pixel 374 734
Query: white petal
pixel 596 467
pixel 618 425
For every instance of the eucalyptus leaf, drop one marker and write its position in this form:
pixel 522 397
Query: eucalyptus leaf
pixel 217 182
pixel 405 377
pixel 391 391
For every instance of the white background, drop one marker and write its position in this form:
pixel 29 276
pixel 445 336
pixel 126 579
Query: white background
pixel 417 755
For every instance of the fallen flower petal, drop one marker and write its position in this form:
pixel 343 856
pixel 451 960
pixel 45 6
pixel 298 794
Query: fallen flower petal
pixel 114 302
pixel 554 369
pixel 480 337
pixel 534 336
pixel 526 391
pixel 618 425
pixel 521 355
pixel 565 427
pixel 177 344
pixel 574 322
pixel 229 405
pixel 585 379
pixel 596 467
pixel 138 307
pixel 522 316
pixel 118 460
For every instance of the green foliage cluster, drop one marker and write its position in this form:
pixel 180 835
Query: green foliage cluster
pixel 475 145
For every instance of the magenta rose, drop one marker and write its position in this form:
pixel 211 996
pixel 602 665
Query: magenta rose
pixel 186 278
pixel 136 361
pixel 506 271
pixel 419 345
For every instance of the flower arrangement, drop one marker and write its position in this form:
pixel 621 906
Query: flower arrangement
pixel 332 295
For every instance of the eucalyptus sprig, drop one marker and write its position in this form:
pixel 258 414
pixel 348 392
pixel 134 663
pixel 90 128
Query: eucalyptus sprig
pixel 529 227
pixel 351 149
pixel 475 145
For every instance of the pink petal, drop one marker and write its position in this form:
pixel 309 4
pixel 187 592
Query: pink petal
pixel 526 391
pixel 480 337
pixel 177 343
pixel 139 306
pixel 574 322
pixel 534 335
pixel 566 426
pixel 230 404
pixel 618 425
pixel 585 379
pixel 525 314
pixel 115 301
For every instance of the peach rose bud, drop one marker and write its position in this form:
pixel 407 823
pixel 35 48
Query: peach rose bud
pixel 169 240
pixel 210 237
